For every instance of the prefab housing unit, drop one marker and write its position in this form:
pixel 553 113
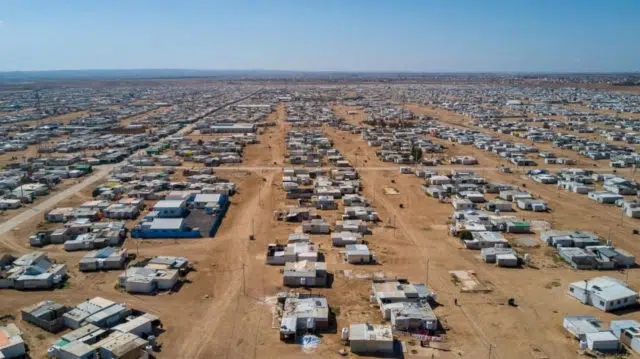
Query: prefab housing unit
pixel 411 316
pixel 122 346
pixel 316 226
pixel 359 254
pixel 604 293
pixel 76 350
pixel 603 341
pixel 47 315
pixel 305 274
pixel 140 326
pixel 371 338
pixel 628 331
pixel 341 239
pixel 579 325
pixel 303 313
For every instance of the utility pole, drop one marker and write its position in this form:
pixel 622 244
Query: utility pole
pixel 395 226
pixel 427 281
pixel 243 284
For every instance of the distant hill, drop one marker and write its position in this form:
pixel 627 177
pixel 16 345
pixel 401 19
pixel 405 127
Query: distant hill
pixel 57 77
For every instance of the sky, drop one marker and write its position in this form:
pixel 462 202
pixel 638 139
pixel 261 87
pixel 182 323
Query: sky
pixel 322 35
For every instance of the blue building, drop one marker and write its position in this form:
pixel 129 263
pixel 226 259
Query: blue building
pixel 198 216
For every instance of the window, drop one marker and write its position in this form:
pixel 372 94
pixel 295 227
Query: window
pixel 602 303
pixel 571 290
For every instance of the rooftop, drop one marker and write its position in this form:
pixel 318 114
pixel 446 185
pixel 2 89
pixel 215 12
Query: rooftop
pixel 606 287
pixel 377 332
pixel 306 307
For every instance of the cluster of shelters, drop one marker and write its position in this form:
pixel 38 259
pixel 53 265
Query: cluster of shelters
pixel 585 250
pixel 183 215
pixel 303 113
pixel 482 230
pixel 407 306
pixel 212 152
pixel 592 335
pixel 308 147
pixel 298 248
pixel 320 190
pixel 31 271
pixel 99 328
pixel 515 153
pixel 154 274
pixel 402 146
pixel 81 233
pixel 466 190
pixel 103 137
pixel 604 188
pixel 240 118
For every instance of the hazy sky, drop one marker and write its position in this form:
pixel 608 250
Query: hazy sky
pixel 346 35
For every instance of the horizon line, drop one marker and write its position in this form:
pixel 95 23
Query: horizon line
pixel 410 72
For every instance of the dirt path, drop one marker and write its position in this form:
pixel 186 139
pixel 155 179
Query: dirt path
pixel 270 150
pixel 222 312
pixel 228 318
pixel 37 210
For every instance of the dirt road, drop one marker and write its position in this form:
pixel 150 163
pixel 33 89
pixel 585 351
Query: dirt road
pixel 98 175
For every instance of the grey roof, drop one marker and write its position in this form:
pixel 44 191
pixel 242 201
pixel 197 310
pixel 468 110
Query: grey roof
pixel 166 223
pixel 169 203
pixel 78 349
pixel 208 197
pixel 607 288
pixel 413 310
pixel 80 332
pixel 377 332
pixel 357 249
